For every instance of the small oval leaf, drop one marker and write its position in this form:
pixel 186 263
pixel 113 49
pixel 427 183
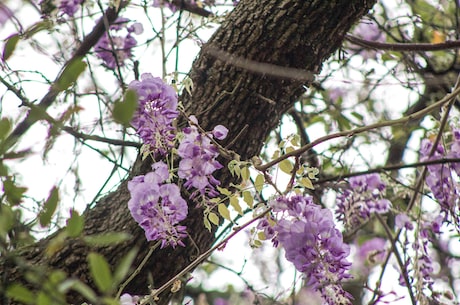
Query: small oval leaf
pixel 49 207
pixel 224 212
pixel 100 272
pixel 286 166
pixel 213 218
pixel 75 224
pixel 10 45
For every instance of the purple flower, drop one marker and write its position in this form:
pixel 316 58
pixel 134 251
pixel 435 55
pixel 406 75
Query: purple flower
pixel 370 31
pixel 314 245
pixel 198 161
pixel 127 299
pixel 160 3
pixel 356 204
pixel 402 221
pixel 5 14
pixel 158 207
pixel 455 151
pixel 220 132
pixel 155 114
pixel 372 251
pixel 69 7
pixel 117 48
pixel 439 178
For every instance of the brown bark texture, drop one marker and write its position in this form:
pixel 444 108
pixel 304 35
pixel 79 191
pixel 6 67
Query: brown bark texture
pixel 297 34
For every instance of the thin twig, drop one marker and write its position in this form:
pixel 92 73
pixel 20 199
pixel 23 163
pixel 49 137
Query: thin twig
pixel 358 130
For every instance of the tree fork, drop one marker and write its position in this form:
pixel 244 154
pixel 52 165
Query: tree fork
pixel 297 34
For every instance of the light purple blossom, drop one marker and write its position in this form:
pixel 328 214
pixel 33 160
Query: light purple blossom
pixel 368 30
pixel 372 251
pixel 220 132
pixel 166 3
pixel 5 14
pixel 198 161
pixel 69 7
pixel 127 299
pixel 439 177
pixel 116 49
pixel 313 244
pixel 157 109
pixel 158 207
pixel 402 221
pixel 356 204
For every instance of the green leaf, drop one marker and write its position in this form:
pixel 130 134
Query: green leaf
pixel 213 218
pixel 234 202
pixel 82 289
pixel 70 74
pixel 248 198
pixel 10 45
pixel 43 299
pixel 5 128
pixel 306 182
pixel 245 173
pixel 207 224
pixel 75 224
pixel 45 24
pixel 259 182
pixel 20 293
pixel 106 239
pixel 286 166
pixel 100 272
pixel 124 266
pixel 49 207
pixel 224 212
pixel 223 191
pixel 13 193
pixel 6 220
pixel 123 111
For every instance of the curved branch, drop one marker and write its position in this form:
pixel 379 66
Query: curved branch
pixel 404 47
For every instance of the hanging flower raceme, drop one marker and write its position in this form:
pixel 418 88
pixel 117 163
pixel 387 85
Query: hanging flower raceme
pixel 356 204
pixel 439 177
pixel 312 243
pixel 157 206
pixel 157 108
pixel 199 159
pixel 115 49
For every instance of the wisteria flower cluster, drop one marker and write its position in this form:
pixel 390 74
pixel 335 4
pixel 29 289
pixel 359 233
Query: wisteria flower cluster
pixel 157 206
pixel 439 178
pixel 356 204
pixel 418 260
pixel 157 109
pixel 312 243
pixel 369 30
pixel 115 49
pixel 199 159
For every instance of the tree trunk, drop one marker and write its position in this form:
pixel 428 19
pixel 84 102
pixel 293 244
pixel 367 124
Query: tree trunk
pixel 288 33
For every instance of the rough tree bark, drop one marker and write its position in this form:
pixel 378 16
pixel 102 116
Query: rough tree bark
pixel 288 33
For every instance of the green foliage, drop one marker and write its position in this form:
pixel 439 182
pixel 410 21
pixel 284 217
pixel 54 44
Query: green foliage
pixel 49 207
pixel 123 111
pixel 75 224
pixel 100 272
pixel 106 239
pixel 20 293
pixel 14 194
pixel 70 73
pixel 9 47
